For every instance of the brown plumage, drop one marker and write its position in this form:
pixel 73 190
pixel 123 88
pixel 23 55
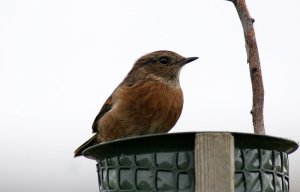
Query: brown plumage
pixel 149 100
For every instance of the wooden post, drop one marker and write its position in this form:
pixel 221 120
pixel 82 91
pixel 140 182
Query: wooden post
pixel 214 162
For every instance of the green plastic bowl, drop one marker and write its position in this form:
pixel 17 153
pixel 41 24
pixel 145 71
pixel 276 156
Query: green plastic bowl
pixel 165 162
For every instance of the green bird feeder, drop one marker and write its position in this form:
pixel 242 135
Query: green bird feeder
pixel 195 161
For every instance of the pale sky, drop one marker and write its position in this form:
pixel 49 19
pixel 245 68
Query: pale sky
pixel 61 59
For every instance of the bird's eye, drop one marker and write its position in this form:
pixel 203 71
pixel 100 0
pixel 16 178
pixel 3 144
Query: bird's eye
pixel 164 60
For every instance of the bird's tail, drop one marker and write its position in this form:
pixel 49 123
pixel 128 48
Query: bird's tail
pixel 88 143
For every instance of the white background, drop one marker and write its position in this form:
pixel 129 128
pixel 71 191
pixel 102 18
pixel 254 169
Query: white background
pixel 60 60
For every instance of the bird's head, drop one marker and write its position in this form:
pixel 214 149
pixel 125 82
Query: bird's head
pixel 161 65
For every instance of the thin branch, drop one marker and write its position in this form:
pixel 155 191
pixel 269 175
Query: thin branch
pixel 254 65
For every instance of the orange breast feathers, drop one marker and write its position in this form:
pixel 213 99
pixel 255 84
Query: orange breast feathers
pixel 144 108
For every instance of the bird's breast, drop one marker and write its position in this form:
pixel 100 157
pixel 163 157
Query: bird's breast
pixel 153 104
pixel 145 108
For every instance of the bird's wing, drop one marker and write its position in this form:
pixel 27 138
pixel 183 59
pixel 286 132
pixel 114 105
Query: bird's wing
pixel 109 102
pixel 105 108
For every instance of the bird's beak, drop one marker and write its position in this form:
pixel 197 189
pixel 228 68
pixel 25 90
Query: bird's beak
pixel 188 60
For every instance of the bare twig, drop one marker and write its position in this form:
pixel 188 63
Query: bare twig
pixel 254 66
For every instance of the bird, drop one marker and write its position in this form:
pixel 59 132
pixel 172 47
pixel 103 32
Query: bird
pixel 149 100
